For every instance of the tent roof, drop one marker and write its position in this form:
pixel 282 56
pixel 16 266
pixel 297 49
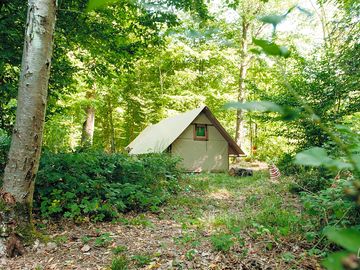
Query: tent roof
pixel 158 137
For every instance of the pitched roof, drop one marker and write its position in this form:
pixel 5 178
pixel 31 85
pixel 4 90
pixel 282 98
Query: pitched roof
pixel 158 137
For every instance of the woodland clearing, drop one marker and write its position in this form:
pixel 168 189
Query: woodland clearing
pixel 216 222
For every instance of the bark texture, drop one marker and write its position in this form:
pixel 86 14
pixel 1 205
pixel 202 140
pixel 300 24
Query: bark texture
pixel 111 126
pixel 239 133
pixel 87 134
pixel 24 154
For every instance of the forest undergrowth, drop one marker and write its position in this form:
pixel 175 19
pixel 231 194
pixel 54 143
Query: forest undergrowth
pixel 214 222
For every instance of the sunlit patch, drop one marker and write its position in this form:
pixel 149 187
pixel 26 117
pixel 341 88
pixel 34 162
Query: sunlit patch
pixel 220 194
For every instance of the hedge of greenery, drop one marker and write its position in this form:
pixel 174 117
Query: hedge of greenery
pixel 98 186
pixel 4 149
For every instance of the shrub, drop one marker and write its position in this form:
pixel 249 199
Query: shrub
pixel 4 149
pixel 330 207
pixel 99 185
pixel 312 180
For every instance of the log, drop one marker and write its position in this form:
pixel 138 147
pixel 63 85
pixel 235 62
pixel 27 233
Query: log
pixel 242 172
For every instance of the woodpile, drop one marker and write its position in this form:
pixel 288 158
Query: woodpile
pixel 242 172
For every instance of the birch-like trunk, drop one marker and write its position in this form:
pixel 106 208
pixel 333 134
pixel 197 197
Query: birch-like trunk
pixel 112 130
pixel 88 127
pixel 87 134
pixel 23 162
pixel 242 93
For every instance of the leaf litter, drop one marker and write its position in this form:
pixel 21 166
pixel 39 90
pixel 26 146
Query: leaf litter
pixel 173 238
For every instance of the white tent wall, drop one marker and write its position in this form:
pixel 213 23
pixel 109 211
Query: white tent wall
pixel 199 156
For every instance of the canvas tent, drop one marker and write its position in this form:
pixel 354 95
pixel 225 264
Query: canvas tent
pixel 196 136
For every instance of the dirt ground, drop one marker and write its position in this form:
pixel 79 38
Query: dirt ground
pixel 178 236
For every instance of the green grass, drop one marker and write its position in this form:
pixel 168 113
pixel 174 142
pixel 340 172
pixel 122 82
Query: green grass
pixel 226 212
pixel 222 242
pixel 119 263
pixel 223 203
pixel 141 259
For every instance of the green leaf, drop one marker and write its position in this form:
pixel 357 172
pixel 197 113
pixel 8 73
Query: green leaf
pixel 284 51
pixel 338 164
pixel 318 156
pixel 260 106
pixel 347 238
pixel 305 11
pixel 270 48
pixel 315 156
pixel 356 159
pixel 275 19
pixel 95 4
pixel 272 19
pixel 334 260
pixel 255 51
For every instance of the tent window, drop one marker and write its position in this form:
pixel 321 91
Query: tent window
pixel 200 132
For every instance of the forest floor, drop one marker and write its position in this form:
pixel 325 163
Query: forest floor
pixel 216 222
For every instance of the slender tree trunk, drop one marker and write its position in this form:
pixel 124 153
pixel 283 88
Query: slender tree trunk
pixel 112 130
pixel 19 177
pixel 161 82
pixel 89 124
pixel 242 94
pixel 251 131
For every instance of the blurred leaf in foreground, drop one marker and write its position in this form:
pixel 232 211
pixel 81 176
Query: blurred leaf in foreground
pixel 270 48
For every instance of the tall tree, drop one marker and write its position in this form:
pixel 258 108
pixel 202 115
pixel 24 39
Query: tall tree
pixel 24 155
pixel 87 135
pixel 249 27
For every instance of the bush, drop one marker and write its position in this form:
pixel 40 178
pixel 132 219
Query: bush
pixel 286 165
pixel 4 149
pixel 330 207
pixel 98 186
pixel 312 180
pixel 307 179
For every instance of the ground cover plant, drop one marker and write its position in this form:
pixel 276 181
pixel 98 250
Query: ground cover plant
pixel 97 186
pixel 215 221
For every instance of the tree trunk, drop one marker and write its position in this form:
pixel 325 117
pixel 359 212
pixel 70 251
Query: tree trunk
pixel 88 127
pixel 19 177
pixel 112 129
pixel 251 132
pixel 239 133
pixel 89 124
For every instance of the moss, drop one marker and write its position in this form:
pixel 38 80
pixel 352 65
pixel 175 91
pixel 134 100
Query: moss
pixel 25 228
pixel 3 206
pixel 27 232
pixel 19 214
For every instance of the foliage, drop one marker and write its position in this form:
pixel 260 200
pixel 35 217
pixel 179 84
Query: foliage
pixel 4 149
pixel 99 185
pixel 311 180
pixel 141 260
pixel 222 242
pixel 103 240
pixel 349 239
pixel 120 263
pixel 329 207
pixel 119 249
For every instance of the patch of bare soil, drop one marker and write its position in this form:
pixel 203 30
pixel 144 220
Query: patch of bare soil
pixel 158 241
